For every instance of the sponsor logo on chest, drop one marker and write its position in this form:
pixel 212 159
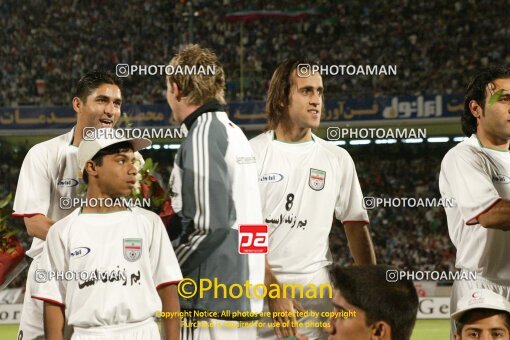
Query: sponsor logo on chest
pixel 68 182
pixel 79 252
pixel 317 179
pixel 132 249
pixel 271 178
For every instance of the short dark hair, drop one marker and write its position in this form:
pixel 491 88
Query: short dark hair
pixel 109 150
pixel 468 316
pixel 366 287
pixel 92 80
pixel 476 90
pixel 278 94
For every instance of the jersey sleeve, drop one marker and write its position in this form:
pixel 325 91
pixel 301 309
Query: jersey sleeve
pixel 165 268
pixel 47 287
pixel 470 184
pixel 34 185
pixel 349 203
pixel 208 209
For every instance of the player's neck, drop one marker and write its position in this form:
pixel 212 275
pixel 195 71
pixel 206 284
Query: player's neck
pixel 99 202
pixel 293 135
pixel 78 135
pixel 492 142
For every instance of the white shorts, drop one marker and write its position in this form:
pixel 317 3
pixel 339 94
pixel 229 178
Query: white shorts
pixel 215 332
pixel 319 305
pixel 31 326
pixel 144 330
pixel 461 288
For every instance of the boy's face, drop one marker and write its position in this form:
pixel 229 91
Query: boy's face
pixel 353 328
pixel 116 177
pixel 484 328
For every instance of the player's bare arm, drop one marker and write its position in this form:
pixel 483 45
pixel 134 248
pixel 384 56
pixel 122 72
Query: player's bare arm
pixel 170 301
pixel 360 242
pixel 498 217
pixel 281 305
pixel 38 226
pixel 54 321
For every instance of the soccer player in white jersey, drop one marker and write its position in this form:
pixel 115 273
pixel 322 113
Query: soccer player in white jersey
pixel 304 181
pixel 123 256
pixel 50 171
pixel 476 175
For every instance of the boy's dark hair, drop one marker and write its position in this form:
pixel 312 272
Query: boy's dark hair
pixel 278 94
pixel 476 91
pixel 109 150
pixel 367 287
pixel 92 80
pixel 478 313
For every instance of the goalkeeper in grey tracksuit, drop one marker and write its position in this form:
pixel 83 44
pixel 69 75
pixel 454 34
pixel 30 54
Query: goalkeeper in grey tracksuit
pixel 214 188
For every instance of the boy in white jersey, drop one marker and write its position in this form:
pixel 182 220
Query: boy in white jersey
pixel 304 181
pixel 50 171
pixel 123 256
pixel 476 174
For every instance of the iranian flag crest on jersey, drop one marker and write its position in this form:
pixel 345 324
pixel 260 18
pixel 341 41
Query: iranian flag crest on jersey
pixel 132 249
pixel 317 179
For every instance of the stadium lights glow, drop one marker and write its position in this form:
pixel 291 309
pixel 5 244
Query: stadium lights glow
pixel 360 142
pixel 459 139
pixel 438 139
pixel 385 141
pixel 165 146
pixel 412 140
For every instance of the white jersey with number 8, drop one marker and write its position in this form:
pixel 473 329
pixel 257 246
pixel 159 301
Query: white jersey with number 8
pixel 302 186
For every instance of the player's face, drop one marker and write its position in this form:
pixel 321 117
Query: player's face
pixel 488 328
pixel 101 108
pixel 305 102
pixel 353 328
pixel 496 118
pixel 117 174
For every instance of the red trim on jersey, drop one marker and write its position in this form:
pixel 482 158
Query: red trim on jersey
pixel 48 300
pixel 164 284
pixel 474 220
pixel 25 215
pixel 367 222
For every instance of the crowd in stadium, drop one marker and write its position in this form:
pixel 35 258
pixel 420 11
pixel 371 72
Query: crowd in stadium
pixel 41 57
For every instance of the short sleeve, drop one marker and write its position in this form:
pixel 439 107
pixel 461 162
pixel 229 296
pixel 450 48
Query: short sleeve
pixel 34 185
pixel 53 260
pixel 469 183
pixel 165 268
pixel 349 204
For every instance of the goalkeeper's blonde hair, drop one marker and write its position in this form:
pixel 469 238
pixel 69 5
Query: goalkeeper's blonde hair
pixel 197 89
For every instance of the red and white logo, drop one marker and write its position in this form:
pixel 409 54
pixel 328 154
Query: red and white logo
pixel 253 238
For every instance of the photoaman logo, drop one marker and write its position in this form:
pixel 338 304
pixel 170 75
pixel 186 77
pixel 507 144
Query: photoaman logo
pixel 253 238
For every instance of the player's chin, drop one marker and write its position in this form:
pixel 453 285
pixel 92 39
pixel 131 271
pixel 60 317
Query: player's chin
pixel 314 124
